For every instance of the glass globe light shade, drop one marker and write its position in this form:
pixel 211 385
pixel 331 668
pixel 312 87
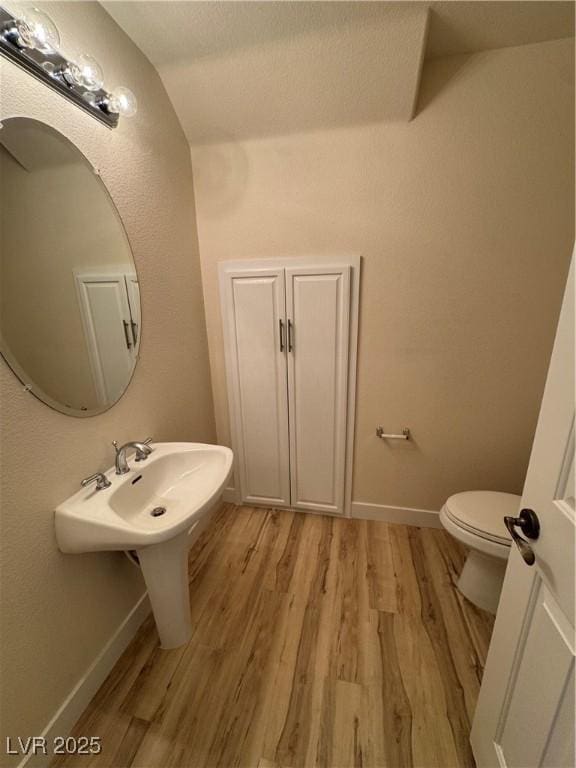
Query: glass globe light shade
pixel 87 72
pixel 37 30
pixel 123 101
pixel 91 98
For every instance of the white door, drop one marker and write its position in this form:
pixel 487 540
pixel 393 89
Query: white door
pixel 525 712
pixel 106 320
pixel 254 317
pixel 133 290
pixel 318 318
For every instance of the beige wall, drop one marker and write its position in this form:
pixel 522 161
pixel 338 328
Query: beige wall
pixel 57 610
pixel 464 219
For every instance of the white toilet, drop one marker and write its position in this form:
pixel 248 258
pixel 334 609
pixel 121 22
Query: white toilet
pixel 476 518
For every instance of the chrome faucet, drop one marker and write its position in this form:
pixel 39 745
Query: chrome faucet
pixel 99 478
pixel 143 450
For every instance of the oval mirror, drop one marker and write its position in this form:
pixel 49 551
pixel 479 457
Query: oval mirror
pixel 69 299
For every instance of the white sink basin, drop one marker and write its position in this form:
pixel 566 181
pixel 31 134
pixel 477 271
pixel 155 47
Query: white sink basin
pixel 184 478
pixel 157 509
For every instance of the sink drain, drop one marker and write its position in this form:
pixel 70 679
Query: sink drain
pixel 158 511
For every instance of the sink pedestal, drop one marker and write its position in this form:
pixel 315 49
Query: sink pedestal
pixel 165 570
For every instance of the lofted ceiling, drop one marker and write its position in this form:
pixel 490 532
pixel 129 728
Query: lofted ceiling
pixel 238 70
pixel 482 25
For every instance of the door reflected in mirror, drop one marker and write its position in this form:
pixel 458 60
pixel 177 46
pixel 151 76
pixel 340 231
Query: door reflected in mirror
pixel 70 320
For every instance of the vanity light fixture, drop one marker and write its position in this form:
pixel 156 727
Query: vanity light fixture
pixel 32 41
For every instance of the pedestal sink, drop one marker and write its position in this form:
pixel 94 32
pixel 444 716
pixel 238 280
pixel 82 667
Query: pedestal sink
pixel 157 509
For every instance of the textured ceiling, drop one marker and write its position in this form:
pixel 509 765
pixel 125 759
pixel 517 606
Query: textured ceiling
pixel 237 70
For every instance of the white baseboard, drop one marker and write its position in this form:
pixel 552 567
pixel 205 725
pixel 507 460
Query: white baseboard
pixel 229 495
pixel 422 518
pixel 78 699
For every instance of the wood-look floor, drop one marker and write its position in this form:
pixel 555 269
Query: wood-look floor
pixel 317 642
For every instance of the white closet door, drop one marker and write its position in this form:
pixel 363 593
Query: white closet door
pixel 106 320
pixel 255 316
pixel 318 313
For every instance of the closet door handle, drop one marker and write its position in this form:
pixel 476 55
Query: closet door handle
pixel 126 336
pixel 134 327
pixel 281 333
pixel 290 338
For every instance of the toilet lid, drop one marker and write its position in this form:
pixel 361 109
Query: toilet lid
pixel 482 512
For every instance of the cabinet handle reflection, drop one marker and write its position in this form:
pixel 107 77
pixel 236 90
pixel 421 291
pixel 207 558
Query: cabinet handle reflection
pixel 134 331
pixel 128 344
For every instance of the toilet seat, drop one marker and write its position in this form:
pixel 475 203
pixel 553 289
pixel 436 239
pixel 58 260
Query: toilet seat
pixel 477 519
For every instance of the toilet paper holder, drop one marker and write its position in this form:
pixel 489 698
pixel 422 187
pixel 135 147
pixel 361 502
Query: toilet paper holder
pixel 387 436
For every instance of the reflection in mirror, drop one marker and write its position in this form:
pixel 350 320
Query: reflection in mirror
pixel 69 296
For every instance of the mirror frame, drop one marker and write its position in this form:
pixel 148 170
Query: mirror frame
pixel 5 353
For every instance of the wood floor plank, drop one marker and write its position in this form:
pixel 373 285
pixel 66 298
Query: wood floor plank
pixel 294 739
pixel 315 584
pixel 279 695
pixel 435 626
pixel 316 641
pixel 307 665
pixel 479 623
pixel 287 562
pixel 467 665
pixel 129 745
pixel 210 540
pixel 374 676
pixel 281 520
pixel 177 740
pixel 127 669
pixel 232 744
pixel 346 747
pixel 454 551
pixel 407 589
pixel 432 737
pixel 222 625
pixel 351 584
pixel 396 712
pixel 145 698
pixel 324 594
pixel 380 568
pixel 323 558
